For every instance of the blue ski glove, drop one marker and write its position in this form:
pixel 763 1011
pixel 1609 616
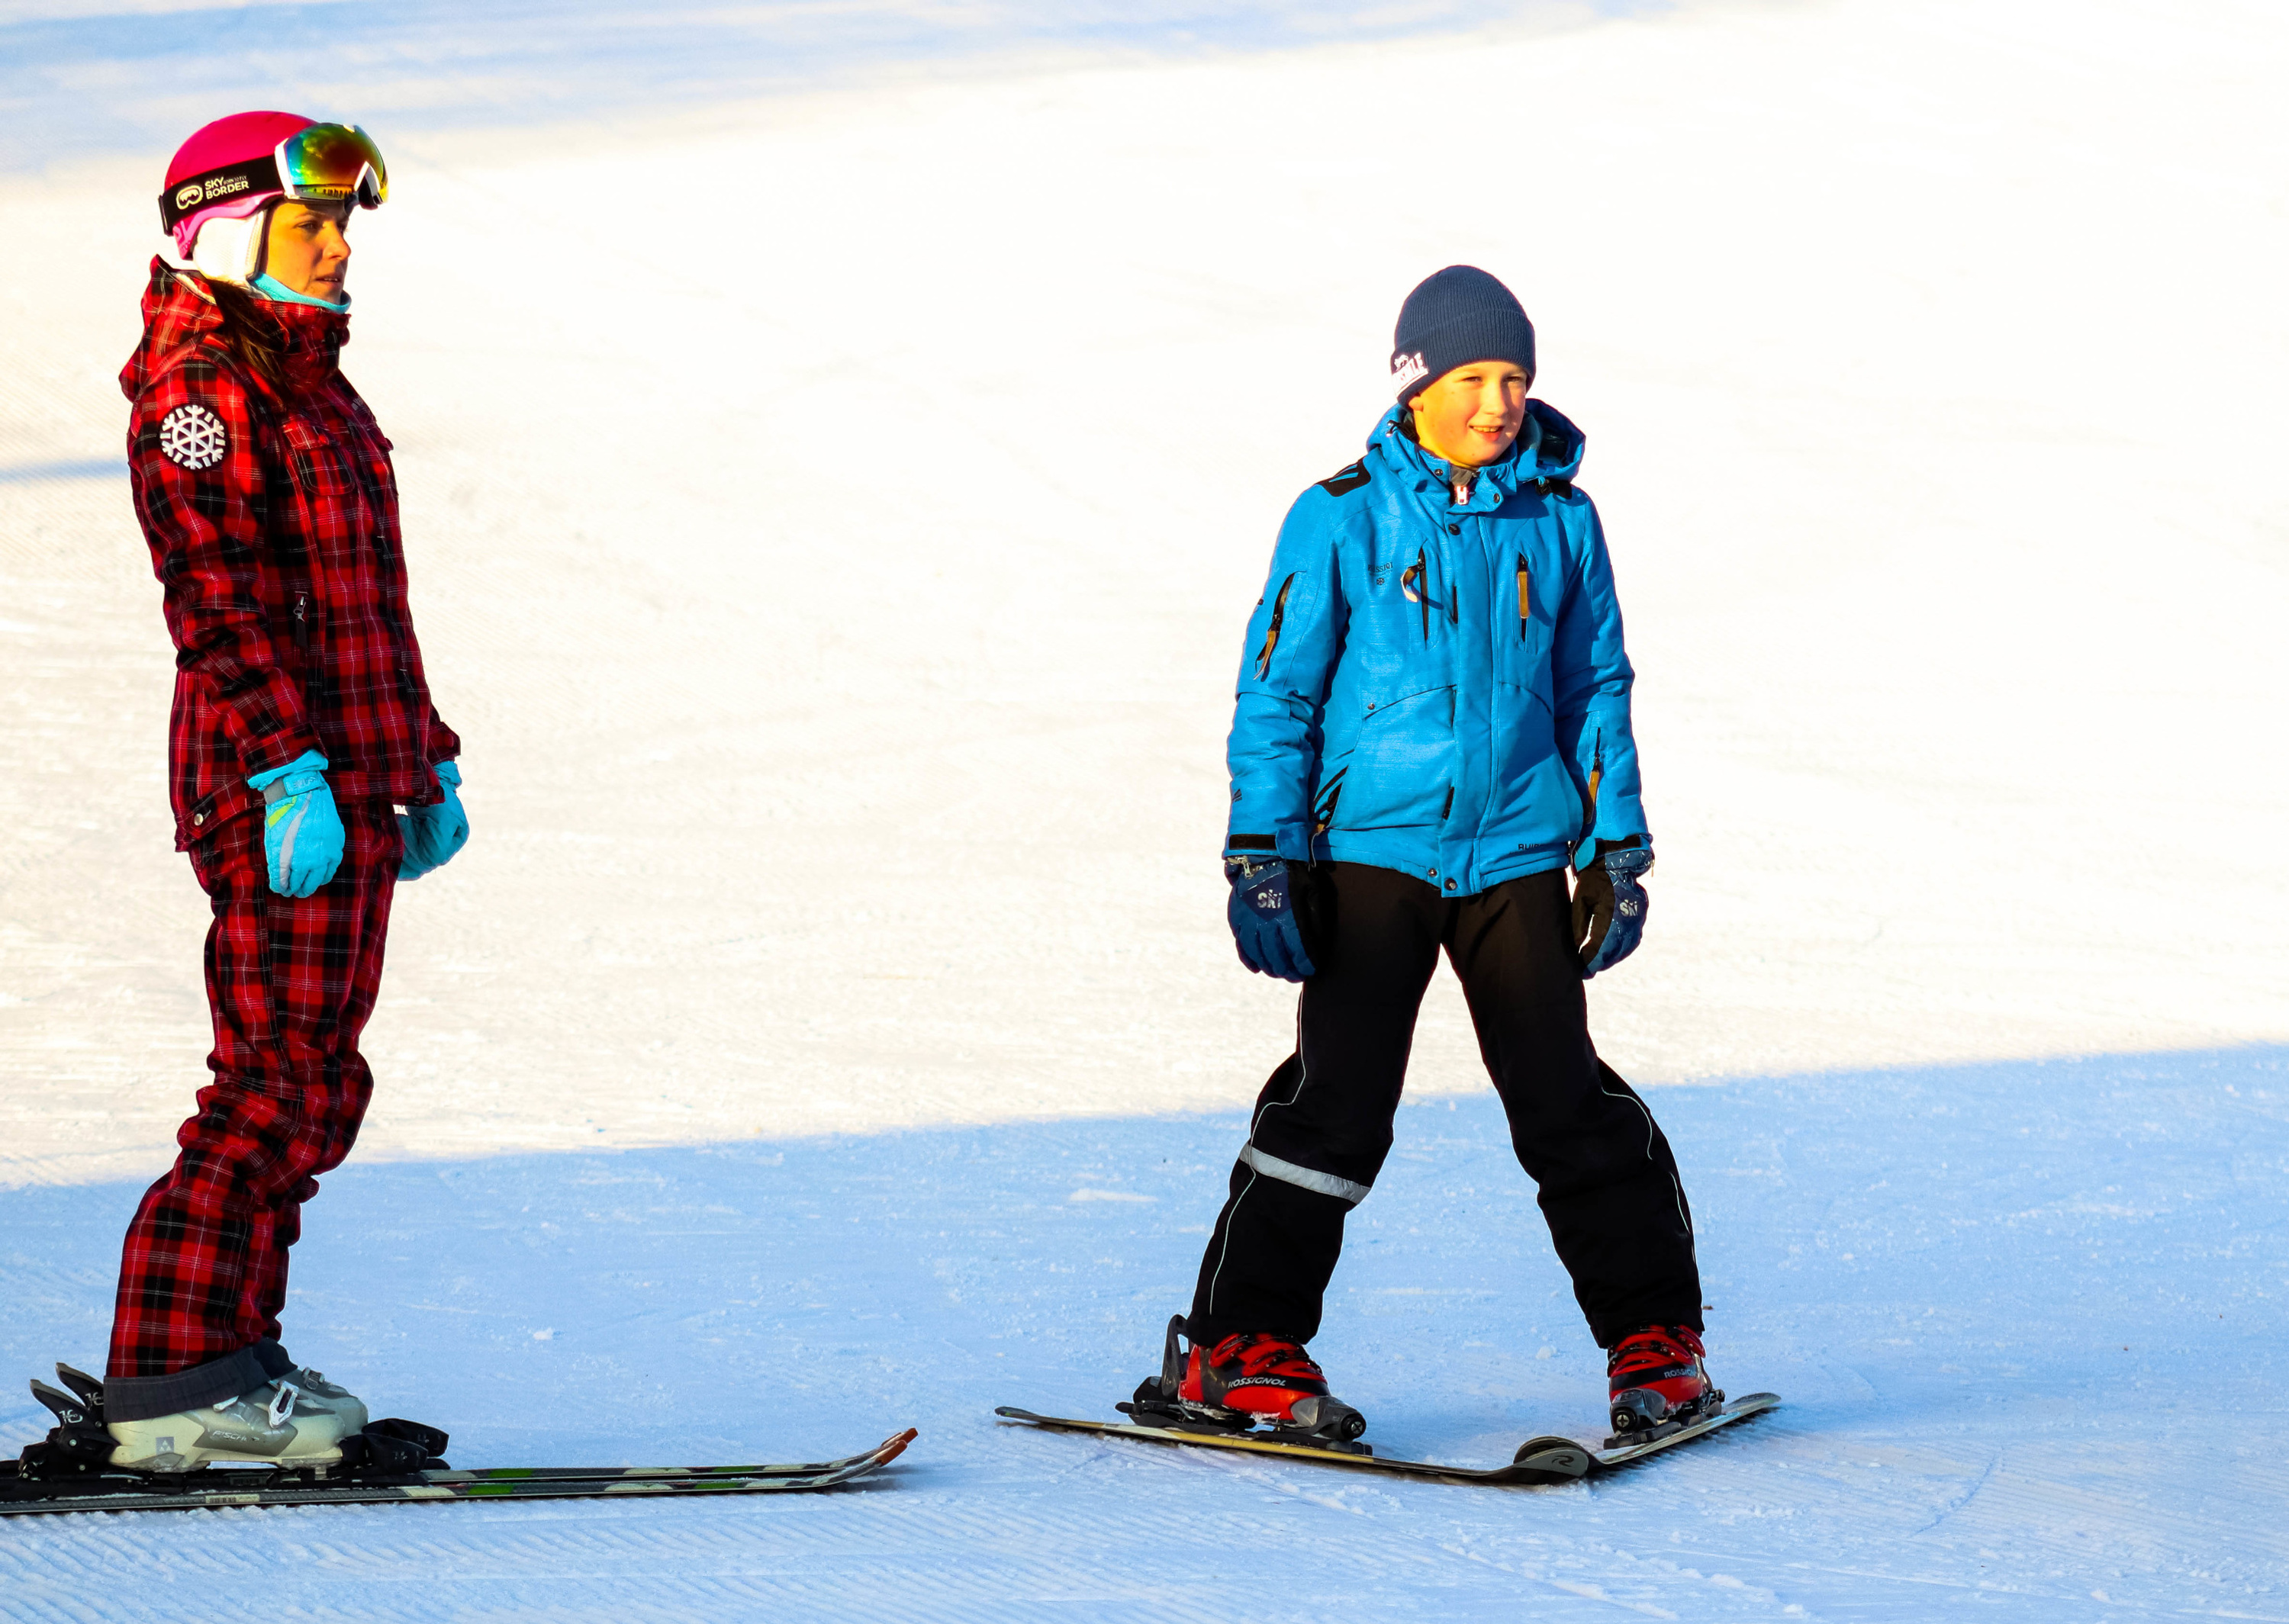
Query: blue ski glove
pixel 433 833
pixel 302 833
pixel 1609 908
pixel 1263 915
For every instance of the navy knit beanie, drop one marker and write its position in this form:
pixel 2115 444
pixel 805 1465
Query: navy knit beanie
pixel 1453 317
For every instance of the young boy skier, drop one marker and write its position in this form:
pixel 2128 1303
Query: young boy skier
pixel 1433 721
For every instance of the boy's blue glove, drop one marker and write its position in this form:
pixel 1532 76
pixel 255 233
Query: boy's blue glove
pixel 1263 915
pixel 1609 908
pixel 302 833
pixel 433 833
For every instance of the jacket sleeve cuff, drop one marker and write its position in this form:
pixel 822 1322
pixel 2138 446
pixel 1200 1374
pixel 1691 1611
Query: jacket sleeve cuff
pixel 443 743
pixel 267 758
pixel 309 761
pixel 1287 843
pixel 1594 849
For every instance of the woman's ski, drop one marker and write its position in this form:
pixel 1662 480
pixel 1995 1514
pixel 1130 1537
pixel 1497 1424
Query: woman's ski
pixel 24 1492
pixel 1539 1460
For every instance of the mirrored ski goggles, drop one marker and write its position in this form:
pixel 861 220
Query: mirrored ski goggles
pixel 318 163
pixel 331 163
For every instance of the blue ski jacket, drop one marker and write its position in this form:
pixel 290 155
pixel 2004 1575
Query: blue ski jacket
pixel 1437 687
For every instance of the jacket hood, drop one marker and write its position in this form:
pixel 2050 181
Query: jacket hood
pixel 1548 447
pixel 179 311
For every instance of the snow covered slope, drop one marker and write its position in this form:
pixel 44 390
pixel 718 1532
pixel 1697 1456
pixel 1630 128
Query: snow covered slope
pixel 2026 1319
pixel 832 520
pixel 833 512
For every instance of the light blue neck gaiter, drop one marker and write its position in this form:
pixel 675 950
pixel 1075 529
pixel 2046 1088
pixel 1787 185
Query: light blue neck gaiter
pixel 271 287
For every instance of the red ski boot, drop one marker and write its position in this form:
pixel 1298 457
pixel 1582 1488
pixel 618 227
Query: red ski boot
pixel 1247 1378
pixel 1658 1384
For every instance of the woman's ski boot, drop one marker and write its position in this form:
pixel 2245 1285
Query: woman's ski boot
pixel 283 1422
pixel 298 1426
pixel 1658 1384
pixel 1249 1378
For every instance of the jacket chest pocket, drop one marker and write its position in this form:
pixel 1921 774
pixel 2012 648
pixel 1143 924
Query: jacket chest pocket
pixel 1426 591
pixel 344 515
pixel 1530 604
pixel 1405 638
pixel 1526 616
pixel 311 460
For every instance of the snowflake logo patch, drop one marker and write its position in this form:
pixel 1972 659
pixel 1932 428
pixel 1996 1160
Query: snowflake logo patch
pixel 192 437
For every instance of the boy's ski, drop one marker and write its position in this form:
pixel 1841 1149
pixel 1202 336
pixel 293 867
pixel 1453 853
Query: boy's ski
pixel 1545 1460
pixel 109 1490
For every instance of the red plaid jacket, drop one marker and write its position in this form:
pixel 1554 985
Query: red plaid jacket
pixel 273 524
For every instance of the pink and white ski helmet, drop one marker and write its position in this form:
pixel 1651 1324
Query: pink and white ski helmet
pixel 235 168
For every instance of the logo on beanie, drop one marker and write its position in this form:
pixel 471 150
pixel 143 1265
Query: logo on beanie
pixel 188 196
pixel 192 437
pixel 1406 369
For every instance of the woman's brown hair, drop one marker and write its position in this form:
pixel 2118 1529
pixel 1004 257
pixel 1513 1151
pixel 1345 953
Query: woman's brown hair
pixel 243 332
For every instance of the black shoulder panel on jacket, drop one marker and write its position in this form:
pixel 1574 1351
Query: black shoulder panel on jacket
pixel 1348 480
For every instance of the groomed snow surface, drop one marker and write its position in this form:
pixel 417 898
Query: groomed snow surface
pixel 2024 1317
pixel 840 447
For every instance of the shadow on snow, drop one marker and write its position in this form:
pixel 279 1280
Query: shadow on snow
pixel 1883 1246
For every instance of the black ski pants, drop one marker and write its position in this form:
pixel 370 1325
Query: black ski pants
pixel 1322 1126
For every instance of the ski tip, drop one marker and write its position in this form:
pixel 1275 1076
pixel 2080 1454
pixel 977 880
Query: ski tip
pixel 890 1448
pixel 1747 1407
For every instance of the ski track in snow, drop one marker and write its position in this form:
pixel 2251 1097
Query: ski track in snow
pixel 836 569
pixel 2007 1307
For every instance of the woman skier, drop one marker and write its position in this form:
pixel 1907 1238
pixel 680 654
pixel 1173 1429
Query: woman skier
pixel 301 715
pixel 1433 721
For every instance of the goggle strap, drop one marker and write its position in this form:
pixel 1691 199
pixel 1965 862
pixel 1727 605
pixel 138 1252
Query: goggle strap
pixel 269 174
pixel 189 196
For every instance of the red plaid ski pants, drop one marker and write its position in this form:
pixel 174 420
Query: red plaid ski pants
pixel 290 983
